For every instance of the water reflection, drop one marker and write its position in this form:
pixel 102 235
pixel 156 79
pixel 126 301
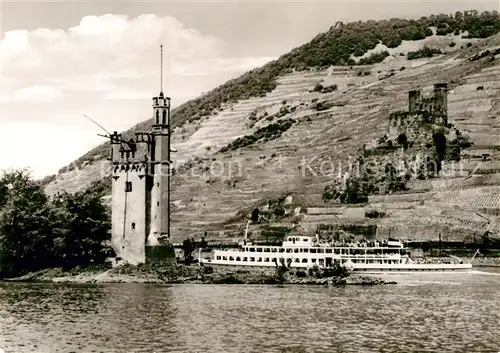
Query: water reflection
pixel 457 314
pixel 134 310
pixel 40 317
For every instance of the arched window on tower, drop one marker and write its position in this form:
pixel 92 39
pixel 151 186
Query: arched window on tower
pixel 157 117
pixel 164 117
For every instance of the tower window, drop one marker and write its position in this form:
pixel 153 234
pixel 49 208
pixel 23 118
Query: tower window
pixel 128 186
pixel 158 184
pixel 157 117
pixel 157 203
pixel 133 226
pixel 164 117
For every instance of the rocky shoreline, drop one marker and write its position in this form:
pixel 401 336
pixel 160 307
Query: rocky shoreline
pixel 194 274
pixel 172 273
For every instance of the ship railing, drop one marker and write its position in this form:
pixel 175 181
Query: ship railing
pixel 228 252
pixel 277 248
pixel 315 247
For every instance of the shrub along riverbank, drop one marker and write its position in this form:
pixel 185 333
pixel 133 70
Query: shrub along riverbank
pixel 39 232
pixel 172 273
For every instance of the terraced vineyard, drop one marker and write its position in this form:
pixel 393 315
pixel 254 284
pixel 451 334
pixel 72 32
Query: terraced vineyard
pixel 214 191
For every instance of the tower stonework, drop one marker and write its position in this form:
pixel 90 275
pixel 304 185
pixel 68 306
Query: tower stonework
pixel 441 102
pixel 435 105
pixel 414 100
pixel 422 109
pixel 141 190
pixel 130 193
pixel 160 198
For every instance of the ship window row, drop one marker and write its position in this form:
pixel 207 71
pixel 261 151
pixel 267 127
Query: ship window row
pixel 258 259
pixel 295 239
pixel 265 249
pixel 338 251
pixel 303 260
pixel 295 250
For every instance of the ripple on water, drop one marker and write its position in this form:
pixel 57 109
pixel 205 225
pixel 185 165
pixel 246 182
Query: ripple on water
pixel 460 314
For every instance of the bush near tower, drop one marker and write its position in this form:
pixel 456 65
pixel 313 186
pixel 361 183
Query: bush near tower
pixel 38 232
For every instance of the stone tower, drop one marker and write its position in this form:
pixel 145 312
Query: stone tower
pixel 441 102
pixel 131 194
pixel 414 100
pixel 141 190
pixel 160 200
pixel 435 105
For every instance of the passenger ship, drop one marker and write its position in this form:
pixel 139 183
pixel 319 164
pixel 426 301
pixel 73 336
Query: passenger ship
pixel 307 252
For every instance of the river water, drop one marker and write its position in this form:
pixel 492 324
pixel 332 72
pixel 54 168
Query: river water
pixel 429 313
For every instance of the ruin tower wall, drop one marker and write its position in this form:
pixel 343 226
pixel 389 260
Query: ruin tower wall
pixel 441 102
pixel 430 109
pixel 414 100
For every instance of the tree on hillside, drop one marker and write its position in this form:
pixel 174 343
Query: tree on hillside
pixel 81 229
pixel 25 239
pixel 255 215
pixel 485 240
pixel 38 233
pixel 188 247
pixel 393 179
pixel 403 140
pixel 203 242
pixel 439 139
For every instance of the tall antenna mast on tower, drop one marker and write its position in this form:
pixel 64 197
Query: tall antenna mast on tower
pixel 161 68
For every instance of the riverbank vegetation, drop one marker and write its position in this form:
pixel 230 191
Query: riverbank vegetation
pixel 38 232
pixel 172 273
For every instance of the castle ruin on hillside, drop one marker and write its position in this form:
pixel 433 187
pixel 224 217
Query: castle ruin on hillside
pixel 436 104
pixel 410 146
pixel 422 110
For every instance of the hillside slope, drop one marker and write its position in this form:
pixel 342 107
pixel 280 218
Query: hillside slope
pixel 325 115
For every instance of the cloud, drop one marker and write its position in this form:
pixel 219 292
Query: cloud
pixel 127 93
pixel 106 66
pixel 32 94
pixel 98 83
pixel 107 53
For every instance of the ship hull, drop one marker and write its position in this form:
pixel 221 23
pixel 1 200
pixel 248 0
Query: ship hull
pixel 367 269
